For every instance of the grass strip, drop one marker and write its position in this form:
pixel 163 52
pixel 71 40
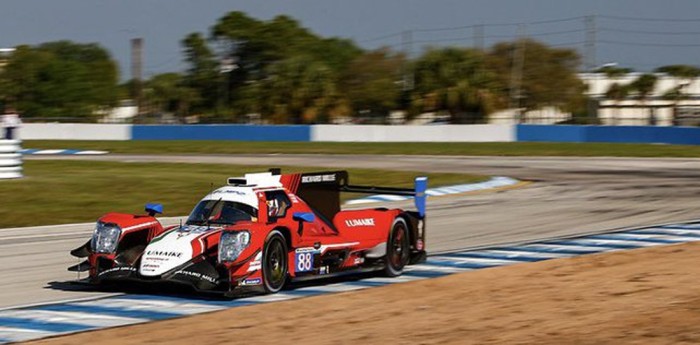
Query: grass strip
pixel 457 149
pixel 59 192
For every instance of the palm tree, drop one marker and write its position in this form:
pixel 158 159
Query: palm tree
pixel 644 87
pixel 297 90
pixel 618 93
pixel 675 94
pixel 457 81
pixel 612 71
pixel 684 75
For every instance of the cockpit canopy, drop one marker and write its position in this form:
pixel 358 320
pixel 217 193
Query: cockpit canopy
pixel 221 212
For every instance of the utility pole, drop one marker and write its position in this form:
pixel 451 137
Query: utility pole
pixel 517 72
pixel 590 51
pixel 479 37
pixel 590 62
pixel 407 46
pixel 137 71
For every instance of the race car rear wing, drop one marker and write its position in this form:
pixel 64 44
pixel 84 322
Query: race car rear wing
pixel 418 192
pixel 321 190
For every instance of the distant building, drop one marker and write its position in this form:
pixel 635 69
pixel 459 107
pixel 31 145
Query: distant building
pixel 5 55
pixel 123 113
pixel 674 100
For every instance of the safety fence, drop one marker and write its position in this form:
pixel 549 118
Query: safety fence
pixel 10 159
pixel 368 133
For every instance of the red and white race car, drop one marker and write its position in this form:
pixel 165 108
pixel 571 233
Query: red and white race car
pixel 260 232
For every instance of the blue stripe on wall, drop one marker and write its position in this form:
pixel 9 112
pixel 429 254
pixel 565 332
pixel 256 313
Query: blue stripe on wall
pixel 609 134
pixel 221 132
pixel 533 133
pixel 572 134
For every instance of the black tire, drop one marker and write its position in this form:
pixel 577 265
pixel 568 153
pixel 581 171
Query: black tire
pixel 275 262
pixel 397 249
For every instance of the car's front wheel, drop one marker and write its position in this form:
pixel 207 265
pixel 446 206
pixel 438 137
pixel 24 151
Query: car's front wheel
pixel 274 264
pixel 397 249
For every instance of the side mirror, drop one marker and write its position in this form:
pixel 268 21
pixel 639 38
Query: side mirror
pixel 307 217
pixel 152 209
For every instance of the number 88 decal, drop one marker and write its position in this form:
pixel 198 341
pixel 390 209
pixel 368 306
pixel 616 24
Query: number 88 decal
pixel 304 261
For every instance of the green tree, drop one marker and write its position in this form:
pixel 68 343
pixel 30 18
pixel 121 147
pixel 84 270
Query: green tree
pixel 203 75
pixel 613 71
pixel 167 93
pixel 257 44
pixel 298 90
pixel 549 75
pixel 61 79
pixel 459 81
pixel 371 81
pixel 258 47
pixel 680 71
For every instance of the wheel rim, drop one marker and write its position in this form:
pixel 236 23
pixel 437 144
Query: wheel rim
pixel 275 264
pixel 399 247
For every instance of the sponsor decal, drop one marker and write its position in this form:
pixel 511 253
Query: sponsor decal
pixel 186 229
pixel 293 198
pixel 227 191
pixel 323 270
pixel 118 269
pixel 419 245
pixel 306 249
pixel 156 259
pixel 256 264
pixel 359 222
pixel 318 178
pixel 164 253
pixel 198 276
pixel 254 281
pixel 359 261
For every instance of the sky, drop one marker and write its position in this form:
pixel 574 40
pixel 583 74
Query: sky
pixel 642 34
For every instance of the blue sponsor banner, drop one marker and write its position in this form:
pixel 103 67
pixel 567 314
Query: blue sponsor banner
pixel 609 134
pixel 221 132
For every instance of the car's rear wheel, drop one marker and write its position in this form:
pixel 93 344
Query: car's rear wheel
pixel 274 264
pixel 397 249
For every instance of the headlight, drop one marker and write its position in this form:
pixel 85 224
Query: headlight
pixel 232 244
pixel 105 238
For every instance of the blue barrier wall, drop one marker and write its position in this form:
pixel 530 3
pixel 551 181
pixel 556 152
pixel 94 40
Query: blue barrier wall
pixel 303 133
pixel 221 132
pixel 609 134
pixel 573 134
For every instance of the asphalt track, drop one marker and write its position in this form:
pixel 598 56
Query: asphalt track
pixel 570 196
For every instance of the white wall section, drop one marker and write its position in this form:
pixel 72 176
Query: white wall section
pixel 428 133
pixel 74 131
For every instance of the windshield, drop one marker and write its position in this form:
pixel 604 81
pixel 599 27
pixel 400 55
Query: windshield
pixel 221 212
